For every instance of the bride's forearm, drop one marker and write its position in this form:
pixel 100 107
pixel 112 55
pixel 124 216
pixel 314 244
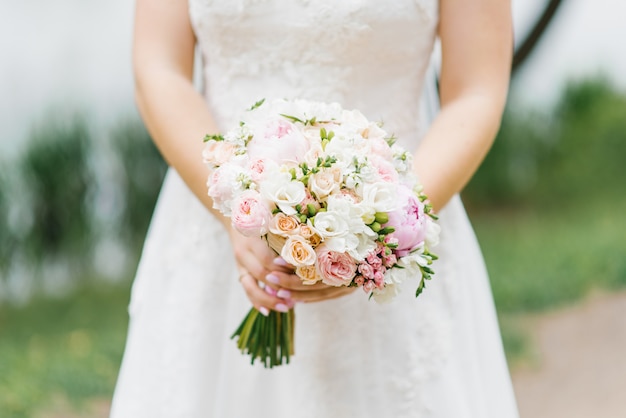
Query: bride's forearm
pixel 177 118
pixel 455 145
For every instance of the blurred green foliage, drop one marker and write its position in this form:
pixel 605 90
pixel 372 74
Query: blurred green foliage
pixel 563 157
pixel 53 186
pixel 6 237
pixel 56 171
pixel 144 170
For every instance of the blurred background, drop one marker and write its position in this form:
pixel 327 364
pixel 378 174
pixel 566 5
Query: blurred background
pixel 79 178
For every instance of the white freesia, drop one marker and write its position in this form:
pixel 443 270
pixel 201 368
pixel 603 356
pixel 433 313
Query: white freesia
pixel 432 233
pixel 365 246
pixel 380 197
pixel 284 192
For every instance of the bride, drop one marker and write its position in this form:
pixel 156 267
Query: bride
pixel 437 356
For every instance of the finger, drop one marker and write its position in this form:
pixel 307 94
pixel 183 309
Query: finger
pixel 251 263
pixel 260 298
pixel 322 294
pixel 290 281
pixel 278 263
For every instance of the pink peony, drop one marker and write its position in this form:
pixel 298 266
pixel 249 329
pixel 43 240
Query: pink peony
pixel 336 269
pixel 409 222
pixel 251 215
pixel 278 140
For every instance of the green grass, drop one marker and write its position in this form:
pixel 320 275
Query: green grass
pixel 541 260
pixel 66 348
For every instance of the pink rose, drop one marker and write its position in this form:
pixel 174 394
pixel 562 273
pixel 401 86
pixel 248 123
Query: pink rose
pixel 380 147
pixel 216 153
pixel 221 180
pixel 366 270
pixel 251 215
pixel 408 221
pixel 279 141
pixel 336 269
pixel 386 170
pixel 373 260
pixel 379 279
pixel 359 280
pixel 369 286
pixel 257 168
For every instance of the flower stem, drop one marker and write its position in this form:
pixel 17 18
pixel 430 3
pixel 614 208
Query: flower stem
pixel 267 338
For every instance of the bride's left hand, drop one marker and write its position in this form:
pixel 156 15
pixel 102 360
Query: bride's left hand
pixel 259 264
pixel 290 286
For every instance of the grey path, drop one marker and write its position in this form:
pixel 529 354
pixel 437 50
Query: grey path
pixel 580 365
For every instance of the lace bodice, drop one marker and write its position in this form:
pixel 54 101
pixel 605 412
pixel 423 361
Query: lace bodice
pixel 365 54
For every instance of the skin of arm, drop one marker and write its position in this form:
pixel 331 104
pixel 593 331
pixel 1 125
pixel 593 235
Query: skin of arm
pixel 477 48
pixel 177 117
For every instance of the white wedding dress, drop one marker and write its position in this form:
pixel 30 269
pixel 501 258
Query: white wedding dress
pixel 436 356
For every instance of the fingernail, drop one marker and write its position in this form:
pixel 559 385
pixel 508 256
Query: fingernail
pixel 281 307
pixel 270 291
pixel 272 278
pixel 264 311
pixel 283 294
pixel 279 261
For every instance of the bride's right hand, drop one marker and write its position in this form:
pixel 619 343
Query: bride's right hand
pixel 269 282
pixel 256 261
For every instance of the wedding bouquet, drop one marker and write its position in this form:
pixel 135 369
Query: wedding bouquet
pixel 332 194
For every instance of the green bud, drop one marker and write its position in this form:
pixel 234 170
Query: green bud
pixel 375 226
pixel 303 219
pixel 387 230
pixel 381 217
pixel 311 209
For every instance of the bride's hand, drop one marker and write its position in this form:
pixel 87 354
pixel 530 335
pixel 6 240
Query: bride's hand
pixel 269 282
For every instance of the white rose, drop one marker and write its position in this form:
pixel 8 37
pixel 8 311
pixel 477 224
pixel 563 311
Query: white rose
pixel 324 183
pixel 298 252
pixel 283 192
pixel 330 224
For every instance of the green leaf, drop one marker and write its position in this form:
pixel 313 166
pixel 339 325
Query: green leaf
pixel 293 118
pixel 257 104
pixel 217 137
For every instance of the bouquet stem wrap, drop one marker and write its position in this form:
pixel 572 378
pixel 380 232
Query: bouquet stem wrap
pixel 267 338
